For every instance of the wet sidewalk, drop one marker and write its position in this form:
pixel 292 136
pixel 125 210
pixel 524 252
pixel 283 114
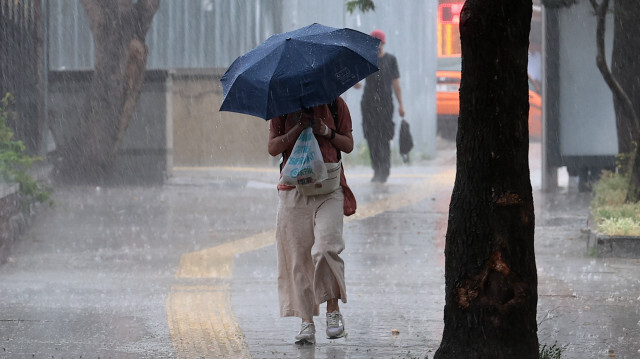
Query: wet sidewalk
pixel 394 265
pixel 395 280
pixel 188 270
pixel 589 304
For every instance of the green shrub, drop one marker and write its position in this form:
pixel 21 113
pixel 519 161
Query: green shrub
pixel 14 163
pixel 611 215
pixel 619 227
pixel 611 189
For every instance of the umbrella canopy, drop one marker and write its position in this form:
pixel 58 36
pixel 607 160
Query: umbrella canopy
pixel 303 68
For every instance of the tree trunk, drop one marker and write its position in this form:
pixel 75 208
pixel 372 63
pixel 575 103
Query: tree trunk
pixel 633 192
pixel 623 82
pixel 119 29
pixel 490 270
pixel 626 69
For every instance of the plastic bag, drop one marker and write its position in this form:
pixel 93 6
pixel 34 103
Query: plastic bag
pixel 305 164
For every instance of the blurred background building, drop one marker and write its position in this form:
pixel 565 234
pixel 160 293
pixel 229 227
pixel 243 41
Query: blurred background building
pixel 199 39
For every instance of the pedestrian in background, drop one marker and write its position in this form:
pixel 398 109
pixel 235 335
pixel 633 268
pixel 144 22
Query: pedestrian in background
pixel 377 109
pixel 309 227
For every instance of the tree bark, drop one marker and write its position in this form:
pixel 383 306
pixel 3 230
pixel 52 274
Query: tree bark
pixel 490 270
pixel 119 29
pixel 626 69
pixel 626 115
pixel 623 82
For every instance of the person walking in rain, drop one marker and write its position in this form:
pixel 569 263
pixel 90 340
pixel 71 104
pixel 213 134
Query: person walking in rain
pixel 377 109
pixel 309 225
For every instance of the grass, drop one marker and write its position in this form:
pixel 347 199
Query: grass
pixel 611 215
pixel 551 352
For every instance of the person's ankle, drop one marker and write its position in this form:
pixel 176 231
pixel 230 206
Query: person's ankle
pixel 332 306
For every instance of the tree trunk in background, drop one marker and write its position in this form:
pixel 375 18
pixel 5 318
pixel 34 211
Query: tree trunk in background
pixel 119 29
pixel 490 270
pixel 625 68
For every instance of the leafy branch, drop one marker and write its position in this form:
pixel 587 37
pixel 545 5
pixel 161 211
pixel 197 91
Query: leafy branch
pixel 362 5
pixel 14 163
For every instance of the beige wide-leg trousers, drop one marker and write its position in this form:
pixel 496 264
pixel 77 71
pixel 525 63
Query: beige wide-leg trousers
pixel 309 242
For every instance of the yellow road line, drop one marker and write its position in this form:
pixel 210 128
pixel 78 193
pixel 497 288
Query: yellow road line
pixel 217 262
pixel 201 320
pixel 202 323
pixel 414 194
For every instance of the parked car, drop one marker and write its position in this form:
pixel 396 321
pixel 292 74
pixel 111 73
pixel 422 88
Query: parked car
pixel 448 101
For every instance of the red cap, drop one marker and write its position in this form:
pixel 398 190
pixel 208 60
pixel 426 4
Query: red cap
pixel 378 34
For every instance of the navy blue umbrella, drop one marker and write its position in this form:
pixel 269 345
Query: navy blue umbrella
pixel 298 69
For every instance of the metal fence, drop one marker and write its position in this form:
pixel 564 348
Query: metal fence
pixel 21 66
pixel 184 34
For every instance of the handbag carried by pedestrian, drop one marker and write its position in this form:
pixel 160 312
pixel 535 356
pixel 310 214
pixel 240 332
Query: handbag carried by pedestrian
pixel 326 186
pixel 406 140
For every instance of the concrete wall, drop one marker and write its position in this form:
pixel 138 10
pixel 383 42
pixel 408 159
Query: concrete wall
pixel 17 210
pixel 13 218
pixel 204 136
pixel 177 122
pixel 145 156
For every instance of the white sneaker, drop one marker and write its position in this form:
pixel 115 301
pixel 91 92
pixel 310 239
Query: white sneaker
pixel 335 325
pixel 307 334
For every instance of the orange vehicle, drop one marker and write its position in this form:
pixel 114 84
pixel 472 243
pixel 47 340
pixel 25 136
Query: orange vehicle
pixel 448 104
pixel 448 76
